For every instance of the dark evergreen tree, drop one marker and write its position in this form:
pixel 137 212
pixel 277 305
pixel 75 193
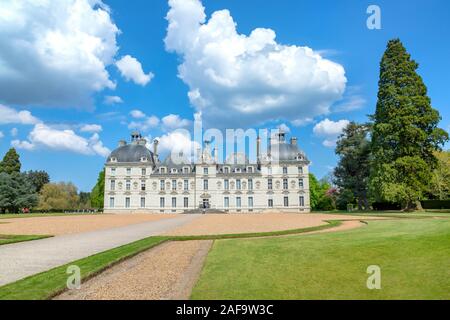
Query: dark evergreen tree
pixel 38 179
pixel 405 131
pixel 353 169
pixel 16 193
pixel 11 162
pixel 98 192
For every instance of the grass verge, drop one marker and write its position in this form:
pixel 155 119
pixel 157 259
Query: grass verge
pixel 8 239
pixel 50 283
pixel 413 254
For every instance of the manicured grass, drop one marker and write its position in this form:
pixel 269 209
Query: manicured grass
pixel 48 284
pixel 391 214
pixel 35 215
pixel 45 285
pixel 8 239
pixel 413 254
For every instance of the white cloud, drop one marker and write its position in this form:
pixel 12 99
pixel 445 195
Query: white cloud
pixel 284 128
pixel 110 100
pixel 174 121
pixel 131 70
pixel 176 142
pixel 330 130
pixel 146 124
pixel 93 128
pixel 55 52
pixel 10 115
pixel 241 80
pixel 1 135
pixel 302 122
pixel 137 114
pixel 351 103
pixel 14 132
pixel 45 137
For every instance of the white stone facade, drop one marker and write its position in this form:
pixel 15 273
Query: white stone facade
pixel 136 182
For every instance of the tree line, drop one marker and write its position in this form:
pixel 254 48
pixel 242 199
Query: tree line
pixel 32 190
pixel 396 157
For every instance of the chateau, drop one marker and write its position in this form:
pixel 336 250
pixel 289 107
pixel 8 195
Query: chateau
pixel 137 181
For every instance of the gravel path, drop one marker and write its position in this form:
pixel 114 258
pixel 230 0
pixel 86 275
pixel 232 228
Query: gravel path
pixel 167 272
pixel 61 225
pixel 20 260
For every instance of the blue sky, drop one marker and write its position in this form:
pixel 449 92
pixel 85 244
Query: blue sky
pixel 52 89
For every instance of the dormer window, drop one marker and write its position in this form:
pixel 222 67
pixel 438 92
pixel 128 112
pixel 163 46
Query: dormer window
pixel 144 159
pixel 174 170
pixel 250 169
pixel 186 170
pixel 162 170
pixel 226 170
pixel 113 159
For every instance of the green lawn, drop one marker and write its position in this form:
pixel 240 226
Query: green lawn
pixel 414 256
pixel 34 215
pixel 8 239
pixel 47 284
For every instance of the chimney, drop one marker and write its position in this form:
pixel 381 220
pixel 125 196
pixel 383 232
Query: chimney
pixel 142 142
pixel 122 143
pixel 294 141
pixel 258 149
pixel 155 147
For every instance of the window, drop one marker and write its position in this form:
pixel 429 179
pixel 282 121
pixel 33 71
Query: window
pixel 162 170
pixel 143 171
pixel 162 185
pixel 128 185
pixel 113 171
pixel 128 171
pixel 300 170
pixel 173 170
pixel 301 201
pixel 226 202
pixel 174 202
pixel 250 184
pixel 238 184
pixel 269 171
pixel 226 170
pixel 300 183
pixel 205 184
pixel 142 185
pixel 250 169
pixel 285 184
pixel 142 202
pixel 186 170
pixel 113 185
pixel 174 185
pixel 186 202
pixel 270 203
pixel 226 184
pixel 127 202
pixel 269 184
pixel 205 171
pixel 162 202
pixel 286 201
pixel 186 185
pixel 250 202
pixel 285 170
pixel 111 202
pixel 238 202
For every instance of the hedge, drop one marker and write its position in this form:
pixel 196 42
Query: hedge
pixel 436 204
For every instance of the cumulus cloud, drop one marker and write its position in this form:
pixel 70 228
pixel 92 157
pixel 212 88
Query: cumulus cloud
pixel 14 132
pixel 302 122
pixel 241 80
pixel 55 52
pixel 145 124
pixel 131 70
pixel 10 115
pixel 92 128
pixel 110 100
pixel 46 137
pixel 174 121
pixel 176 142
pixel 137 114
pixel 330 130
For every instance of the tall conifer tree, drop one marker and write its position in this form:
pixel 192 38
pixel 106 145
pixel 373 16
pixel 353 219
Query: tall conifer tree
pixel 405 131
